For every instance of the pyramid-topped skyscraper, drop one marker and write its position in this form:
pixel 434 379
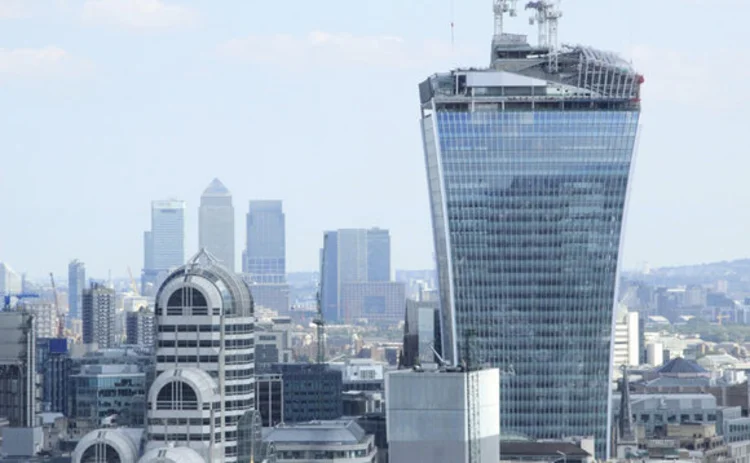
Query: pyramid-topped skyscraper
pixel 216 223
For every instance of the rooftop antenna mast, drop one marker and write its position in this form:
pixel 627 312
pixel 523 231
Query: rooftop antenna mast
pixel 500 7
pixel 547 17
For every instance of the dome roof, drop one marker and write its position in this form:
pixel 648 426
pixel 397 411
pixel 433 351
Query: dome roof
pixel 119 441
pixel 204 385
pixel 172 455
pixel 204 269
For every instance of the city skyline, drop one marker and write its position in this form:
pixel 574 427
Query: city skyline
pixel 664 223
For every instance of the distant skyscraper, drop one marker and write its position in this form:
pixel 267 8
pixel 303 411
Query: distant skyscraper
pixel 352 256
pixel 528 165
pixel 99 316
pixel 216 223
pixel 10 281
pixel 164 244
pixel 265 254
pixel 76 285
pixel 378 255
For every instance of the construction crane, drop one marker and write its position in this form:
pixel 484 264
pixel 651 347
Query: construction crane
pixel 500 7
pixel 60 316
pixel 547 17
pixel 319 320
pixel 320 328
pixel 9 297
pixel 133 286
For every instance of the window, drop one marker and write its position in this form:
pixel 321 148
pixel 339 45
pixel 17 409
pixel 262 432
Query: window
pixel 177 395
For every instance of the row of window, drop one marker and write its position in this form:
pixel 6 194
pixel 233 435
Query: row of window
pixel 230 343
pixel 246 328
pixel 228 360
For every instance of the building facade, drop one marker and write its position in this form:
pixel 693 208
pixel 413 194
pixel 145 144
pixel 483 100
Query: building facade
pixel 265 252
pixel 528 164
pixel 352 256
pixel 216 223
pixel 376 301
pixel 19 393
pixel 140 327
pixel 45 316
pixel 53 366
pixel 443 416
pixel 269 394
pixel 204 360
pixel 103 395
pixel 164 244
pixel 627 349
pixel 76 286
pixel 311 391
pixel 99 317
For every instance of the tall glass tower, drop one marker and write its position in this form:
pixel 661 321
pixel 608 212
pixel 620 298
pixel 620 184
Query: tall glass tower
pixel 528 164
pixel 265 254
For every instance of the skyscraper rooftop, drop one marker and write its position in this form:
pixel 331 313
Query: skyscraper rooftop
pixel 216 188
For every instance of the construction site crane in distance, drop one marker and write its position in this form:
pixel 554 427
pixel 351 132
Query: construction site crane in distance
pixel 60 316
pixel 133 286
pixel 500 7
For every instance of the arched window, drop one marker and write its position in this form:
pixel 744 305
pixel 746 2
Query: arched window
pixel 177 395
pixel 100 452
pixel 184 298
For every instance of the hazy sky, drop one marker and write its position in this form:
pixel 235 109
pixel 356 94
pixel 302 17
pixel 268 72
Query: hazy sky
pixel 108 104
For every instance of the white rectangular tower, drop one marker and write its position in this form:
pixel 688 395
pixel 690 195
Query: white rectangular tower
pixel 443 415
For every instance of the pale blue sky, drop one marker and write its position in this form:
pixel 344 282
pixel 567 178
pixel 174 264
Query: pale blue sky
pixel 108 104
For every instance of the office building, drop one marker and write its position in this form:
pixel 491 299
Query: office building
pixel 76 285
pixel 311 391
pixel 265 254
pixel 53 367
pixel 627 339
pixel 273 343
pixel 19 393
pixel 269 396
pixel 374 301
pixel 528 165
pixel 164 244
pixel 139 327
pixel 352 256
pixel 272 296
pixel 342 441
pixel 45 316
pixel 216 223
pixel 443 415
pixel 421 334
pixel 107 394
pixel 10 281
pixel 204 360
pixel 99 314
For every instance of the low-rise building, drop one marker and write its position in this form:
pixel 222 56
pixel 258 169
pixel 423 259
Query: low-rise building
pixel 342 441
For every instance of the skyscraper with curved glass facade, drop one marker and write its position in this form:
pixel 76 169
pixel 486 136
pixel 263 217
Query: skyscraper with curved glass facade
pixel 528 165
